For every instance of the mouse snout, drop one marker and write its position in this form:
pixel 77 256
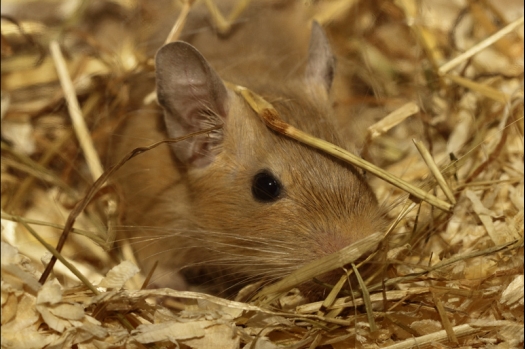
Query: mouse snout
pixel 331 241
pixel 327 241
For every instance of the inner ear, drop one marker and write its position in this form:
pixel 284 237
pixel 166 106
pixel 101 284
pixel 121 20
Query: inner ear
pixel 193 97
pixel 320 68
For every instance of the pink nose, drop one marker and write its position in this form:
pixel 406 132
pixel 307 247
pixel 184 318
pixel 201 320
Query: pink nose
pixel 330 242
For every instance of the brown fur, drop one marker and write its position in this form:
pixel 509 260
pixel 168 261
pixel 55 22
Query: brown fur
pixel 207 217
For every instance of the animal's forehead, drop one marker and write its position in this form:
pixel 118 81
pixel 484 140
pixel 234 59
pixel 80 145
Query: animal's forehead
pixel 307 111
pixel 296 164
pixel 256 146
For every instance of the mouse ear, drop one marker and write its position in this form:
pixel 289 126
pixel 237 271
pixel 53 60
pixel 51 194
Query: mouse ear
pixel 321 61
pixel 193 97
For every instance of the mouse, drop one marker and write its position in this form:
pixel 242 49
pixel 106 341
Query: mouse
pixel 241 204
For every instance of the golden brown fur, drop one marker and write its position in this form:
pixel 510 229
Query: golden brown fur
pixel 206 218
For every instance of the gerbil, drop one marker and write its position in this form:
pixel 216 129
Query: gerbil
pixel 242 203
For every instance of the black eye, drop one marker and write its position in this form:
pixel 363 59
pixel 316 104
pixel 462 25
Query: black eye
pixel 266 187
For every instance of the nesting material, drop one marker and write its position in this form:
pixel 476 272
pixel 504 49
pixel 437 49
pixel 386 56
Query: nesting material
pixel 445 76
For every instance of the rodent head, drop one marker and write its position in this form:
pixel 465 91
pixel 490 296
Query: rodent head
pixel 270 204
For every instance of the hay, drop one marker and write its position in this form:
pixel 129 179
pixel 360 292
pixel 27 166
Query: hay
pixel 447 76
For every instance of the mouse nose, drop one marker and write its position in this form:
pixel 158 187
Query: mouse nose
pixel 329 242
